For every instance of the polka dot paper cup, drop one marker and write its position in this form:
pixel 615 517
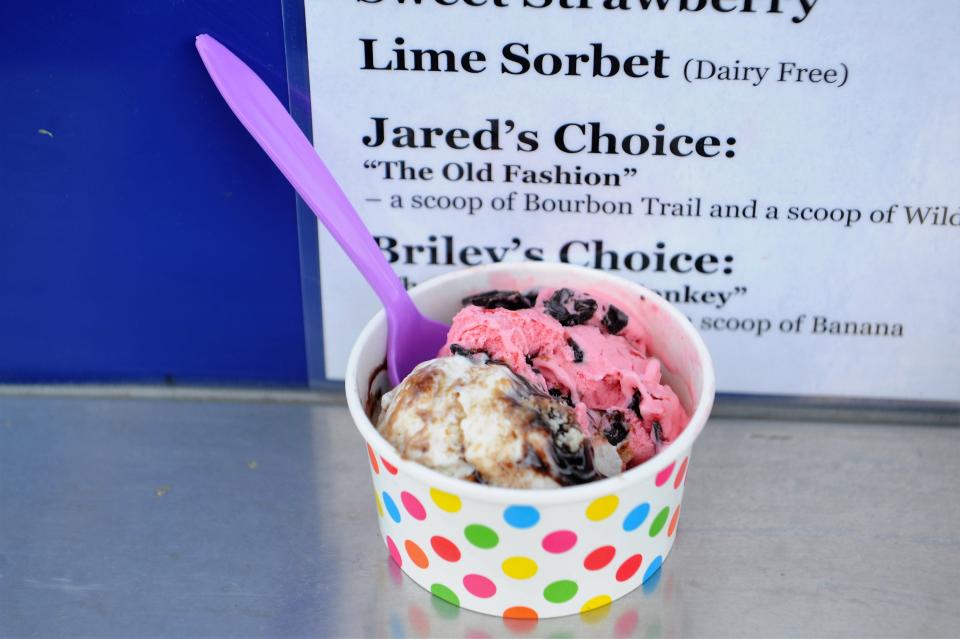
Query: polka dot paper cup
pixel 533 553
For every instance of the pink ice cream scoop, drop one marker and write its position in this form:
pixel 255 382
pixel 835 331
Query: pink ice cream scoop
pixel 582 348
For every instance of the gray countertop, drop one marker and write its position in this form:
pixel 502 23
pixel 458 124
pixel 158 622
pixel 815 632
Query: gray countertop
pixel 191 518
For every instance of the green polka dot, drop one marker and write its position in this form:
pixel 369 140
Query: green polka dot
pixel 481 536
pixel 439 590
pixel 659 521
pixel 443 609
pixel 560 591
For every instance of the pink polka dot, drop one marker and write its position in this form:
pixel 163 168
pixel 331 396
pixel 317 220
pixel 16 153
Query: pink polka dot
pixel 394 551
pixel 626 624
pixel 479 586
pixel 664 474
pixel 559 541
pixel 413 506
pixel 396 575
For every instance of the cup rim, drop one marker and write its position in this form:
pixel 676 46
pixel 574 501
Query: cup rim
pixel 481 492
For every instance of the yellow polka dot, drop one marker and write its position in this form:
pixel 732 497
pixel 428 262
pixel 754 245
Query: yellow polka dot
pixel 593 604
pixel 379 505
pixel 445 501
pixel 519 567
pixel 602 507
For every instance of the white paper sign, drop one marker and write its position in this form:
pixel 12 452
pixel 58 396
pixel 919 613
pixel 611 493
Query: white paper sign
pixel 787 171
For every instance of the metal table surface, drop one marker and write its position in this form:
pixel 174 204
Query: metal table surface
pixel 174 518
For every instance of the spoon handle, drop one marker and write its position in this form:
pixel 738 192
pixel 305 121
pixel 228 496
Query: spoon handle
pixel 275 131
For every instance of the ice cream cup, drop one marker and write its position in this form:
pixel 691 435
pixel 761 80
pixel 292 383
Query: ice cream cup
pixel 533 553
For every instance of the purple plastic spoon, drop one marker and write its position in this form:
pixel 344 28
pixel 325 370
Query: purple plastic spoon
pixel 411 337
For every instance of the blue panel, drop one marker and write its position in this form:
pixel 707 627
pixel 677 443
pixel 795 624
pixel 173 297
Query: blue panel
pixel 146 237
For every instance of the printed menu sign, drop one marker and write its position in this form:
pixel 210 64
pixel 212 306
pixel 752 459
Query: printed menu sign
pixel 785 171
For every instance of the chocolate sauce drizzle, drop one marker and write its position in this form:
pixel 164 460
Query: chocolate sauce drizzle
pixel 566 466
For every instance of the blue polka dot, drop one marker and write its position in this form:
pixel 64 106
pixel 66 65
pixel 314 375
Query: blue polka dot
pixel 636 517
pixel 521 516
pixel 391 507
pixel 653 568
pixel 396 627
pixel 650 585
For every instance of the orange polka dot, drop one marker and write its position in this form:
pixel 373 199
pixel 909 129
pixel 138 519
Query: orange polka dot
pixel 373 459
pixel 520 612
pixel 673 522
pixel 518 627
pixel 418 620
pixel 681 473
pixel 417 556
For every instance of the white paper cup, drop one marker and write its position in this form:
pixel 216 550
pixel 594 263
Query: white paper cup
pixel 534 553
